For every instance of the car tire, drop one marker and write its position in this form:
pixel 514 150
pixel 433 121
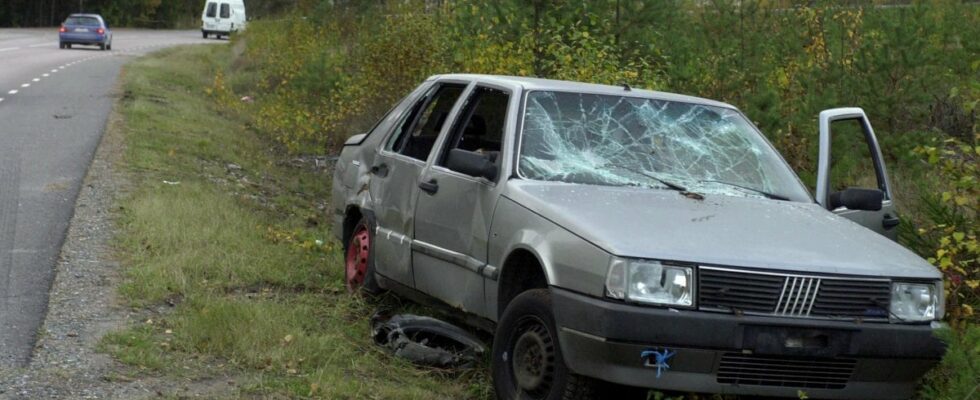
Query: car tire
pixel 68 46
pixel 528 323
pixel 359 271
pixel 102 47
pixel 204 34
pixel 61 46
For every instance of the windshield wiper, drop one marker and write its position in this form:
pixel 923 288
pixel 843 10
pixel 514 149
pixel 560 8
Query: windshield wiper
pixel 666 183
pixel 754 190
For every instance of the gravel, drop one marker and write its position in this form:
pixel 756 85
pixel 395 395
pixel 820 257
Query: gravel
pixel 84 306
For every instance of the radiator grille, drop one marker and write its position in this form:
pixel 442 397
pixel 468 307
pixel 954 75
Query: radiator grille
pixel 812 373
pixel 723 289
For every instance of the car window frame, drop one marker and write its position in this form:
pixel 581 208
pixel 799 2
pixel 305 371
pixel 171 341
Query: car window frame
pixel 211 9
pixel 426 97
pixel 224 11
pixel 442 145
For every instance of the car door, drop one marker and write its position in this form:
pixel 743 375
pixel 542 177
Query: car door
pixel 210 16
pixel 224 17
pixel 840 162
pixel 454 211
pixel 395 178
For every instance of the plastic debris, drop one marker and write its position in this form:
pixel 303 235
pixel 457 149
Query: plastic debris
pixel 657 359
pixel 426 341
pixel 171 183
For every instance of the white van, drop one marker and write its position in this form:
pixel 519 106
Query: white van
pixel 222 17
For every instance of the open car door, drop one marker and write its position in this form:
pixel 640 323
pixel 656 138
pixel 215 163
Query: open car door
pixel 872 207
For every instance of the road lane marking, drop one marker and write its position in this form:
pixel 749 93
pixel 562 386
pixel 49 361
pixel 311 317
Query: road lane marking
pixel 36 79
pixel 46 75
pixel 1 99
pixel 12 92
pixel 39 45
pixel 54 71
pixel 26 85
pixel 9 48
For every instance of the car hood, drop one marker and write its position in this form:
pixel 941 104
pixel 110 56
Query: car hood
pixel 719 230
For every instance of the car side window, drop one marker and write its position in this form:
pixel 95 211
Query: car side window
pixel 480 126
pixel 417 134
pixel 225 10
pixel 212 10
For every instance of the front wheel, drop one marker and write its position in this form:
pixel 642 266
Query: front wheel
pixel 527 361
pixel 359 259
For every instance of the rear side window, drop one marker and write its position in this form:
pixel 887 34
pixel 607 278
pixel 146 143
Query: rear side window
pixel 419 131
pixel 225 10
pixel 212 10
pixel 82 21
pixel 480 126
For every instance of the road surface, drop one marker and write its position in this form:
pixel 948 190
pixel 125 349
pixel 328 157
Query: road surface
pixel 53 109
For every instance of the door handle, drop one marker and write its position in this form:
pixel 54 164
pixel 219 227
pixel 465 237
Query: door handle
pixel 430 187
pixel 380 170
pixel 890 222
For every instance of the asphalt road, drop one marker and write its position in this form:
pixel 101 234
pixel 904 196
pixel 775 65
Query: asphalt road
pixel 53 109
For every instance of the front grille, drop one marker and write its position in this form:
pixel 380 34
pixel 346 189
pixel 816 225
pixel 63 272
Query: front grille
pixel 865 299
pixel 727 290
pixel 811 373
pixel 723 289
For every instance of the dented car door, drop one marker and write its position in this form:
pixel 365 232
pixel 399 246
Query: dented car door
pixel 396 173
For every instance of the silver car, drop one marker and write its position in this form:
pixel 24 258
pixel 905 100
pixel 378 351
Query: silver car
pixel 616 239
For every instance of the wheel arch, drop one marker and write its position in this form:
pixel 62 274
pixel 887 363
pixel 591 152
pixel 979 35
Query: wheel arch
pixel 521 271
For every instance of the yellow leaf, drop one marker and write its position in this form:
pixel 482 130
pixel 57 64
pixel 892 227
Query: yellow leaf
pixel 973 283
pixel 967 310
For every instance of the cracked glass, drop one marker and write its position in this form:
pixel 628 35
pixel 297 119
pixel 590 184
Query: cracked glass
pixel 629 141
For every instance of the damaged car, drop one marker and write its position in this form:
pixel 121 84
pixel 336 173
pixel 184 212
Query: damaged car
pixel 615 239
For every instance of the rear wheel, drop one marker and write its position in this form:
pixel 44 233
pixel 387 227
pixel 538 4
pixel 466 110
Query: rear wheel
pixel 61 46
pixel 359 259
pixel 102 47
pixel 109 46
pixel 204 34
pixel 68 45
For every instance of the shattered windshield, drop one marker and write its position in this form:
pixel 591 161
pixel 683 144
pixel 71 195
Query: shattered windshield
pixel 627 141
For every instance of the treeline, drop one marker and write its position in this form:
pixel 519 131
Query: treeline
pixel 126 13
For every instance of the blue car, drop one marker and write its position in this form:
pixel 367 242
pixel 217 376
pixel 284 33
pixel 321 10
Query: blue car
pixel 85 29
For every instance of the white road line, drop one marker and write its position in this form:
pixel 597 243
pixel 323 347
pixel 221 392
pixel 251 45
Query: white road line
pixel 36 79
pixel 61 67
pixel 46 75
pixel 1 99
pixel 40 45
pixel 26 85
pixel 10 48
pixel 12 92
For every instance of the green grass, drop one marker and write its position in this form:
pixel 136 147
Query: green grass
pixel 232 256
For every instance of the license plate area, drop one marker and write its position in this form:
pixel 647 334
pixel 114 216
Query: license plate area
pixel 778 340
pixel 81 29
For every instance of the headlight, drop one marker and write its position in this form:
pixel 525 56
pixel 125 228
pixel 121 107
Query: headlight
pixel 646 281
pixel 916 301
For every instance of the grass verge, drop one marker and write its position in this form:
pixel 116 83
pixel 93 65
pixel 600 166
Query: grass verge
pixel 228 258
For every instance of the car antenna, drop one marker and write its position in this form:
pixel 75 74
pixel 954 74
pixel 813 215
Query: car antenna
pixel 626 87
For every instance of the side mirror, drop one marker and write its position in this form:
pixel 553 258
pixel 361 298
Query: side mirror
pixel 472 164
pixel 857 199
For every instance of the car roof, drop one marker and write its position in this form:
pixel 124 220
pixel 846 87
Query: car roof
pixel 86 15
pixel 528 84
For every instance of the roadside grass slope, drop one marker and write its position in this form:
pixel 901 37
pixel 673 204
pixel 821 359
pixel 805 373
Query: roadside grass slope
pixel 228 261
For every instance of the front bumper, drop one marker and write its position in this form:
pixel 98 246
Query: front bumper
pixel 724 353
